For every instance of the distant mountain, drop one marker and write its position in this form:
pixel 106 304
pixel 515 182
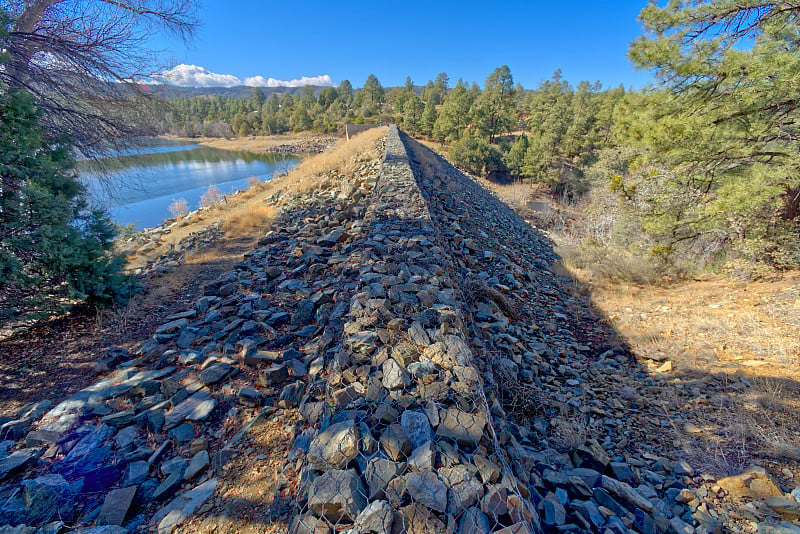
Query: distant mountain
pixel 239 91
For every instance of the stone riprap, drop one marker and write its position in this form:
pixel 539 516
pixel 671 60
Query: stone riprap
pixel 444 378
pixel 405 441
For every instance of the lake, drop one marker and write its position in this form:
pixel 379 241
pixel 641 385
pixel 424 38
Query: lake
pixel 137 186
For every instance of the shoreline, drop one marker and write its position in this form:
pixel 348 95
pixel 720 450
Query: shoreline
pixel 276 144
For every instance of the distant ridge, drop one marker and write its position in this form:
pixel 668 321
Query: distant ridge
pixel 238 91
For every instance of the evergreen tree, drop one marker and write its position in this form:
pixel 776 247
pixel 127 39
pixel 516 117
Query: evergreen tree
pixel 307 95
pixel 454 115
pixel 441 83
pixel 428 118
pixel 300 119
pixel 51 244
pixel 373 91
pixel 257 99
pixel 413 110
pixel 515 157
pixel 346 92
pixel 550 112
pixel 493 112
pixel 728 125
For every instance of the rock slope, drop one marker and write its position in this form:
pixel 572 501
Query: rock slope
pixel 447 380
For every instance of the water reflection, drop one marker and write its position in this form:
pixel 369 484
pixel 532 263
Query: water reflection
pixel 138 185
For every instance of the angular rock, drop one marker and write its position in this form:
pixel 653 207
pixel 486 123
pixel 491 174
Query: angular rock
pixel 215 373
pixel 101 478
pixel 377 518
pixel 13 430
pixel 591 455
pixel 394 376
pixel 427 489
pixel 752 483
pixel 379 473
pixel 304 313
pixel 417 427
pixel 474 521
pixel 183 433
pixel 292 394
pixel 47 498
pixel 626 493
pixel 251 398
pixel 423 457
pixel 135 473
pixel 335 447
pixel 418 520
pixel 196 408
pixel 183 506
pixel 18 460
pixel 196 466
pixel 395 442
pixel 90 442
pixel 115 507
pixel 274 374
pixel 42 437
pixel 308 524
pixel 336 495
pixel 125 438
pixel 170 485
pixel 465 428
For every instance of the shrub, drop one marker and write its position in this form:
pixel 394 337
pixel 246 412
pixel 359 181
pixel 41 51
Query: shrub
pixel 211 197
pixel 476 155
pixel 179 208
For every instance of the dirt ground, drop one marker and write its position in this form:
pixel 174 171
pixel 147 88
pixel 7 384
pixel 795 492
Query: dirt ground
pixel 55 358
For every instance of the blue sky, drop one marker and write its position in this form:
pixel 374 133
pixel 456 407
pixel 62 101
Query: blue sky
pixel 286 40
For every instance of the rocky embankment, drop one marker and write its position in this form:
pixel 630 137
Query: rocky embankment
pixel 447 380
pixel 303 146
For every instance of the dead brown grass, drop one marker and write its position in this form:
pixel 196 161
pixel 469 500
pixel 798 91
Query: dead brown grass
pixel 345 158
pixel 244 223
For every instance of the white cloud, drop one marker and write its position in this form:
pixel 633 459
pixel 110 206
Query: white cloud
pixel 260 81
pixel 194 76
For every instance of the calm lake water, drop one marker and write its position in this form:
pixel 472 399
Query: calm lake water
pixel 137 186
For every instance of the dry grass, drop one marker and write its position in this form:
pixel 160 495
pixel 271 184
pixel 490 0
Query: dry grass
pixel 734 429
pixel 345 158
pixel 568 433
pixel 475 290
pixel 245 223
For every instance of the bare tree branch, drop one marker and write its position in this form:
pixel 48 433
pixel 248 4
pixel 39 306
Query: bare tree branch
pixel 83 61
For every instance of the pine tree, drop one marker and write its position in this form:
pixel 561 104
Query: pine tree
pixel 728 125
pixel 51 244
pixel 428 118
pixel 413 110
pixel 373 90
pixel 454 115
pixel 493 112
